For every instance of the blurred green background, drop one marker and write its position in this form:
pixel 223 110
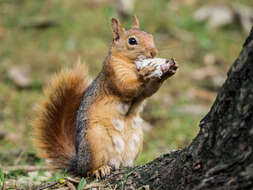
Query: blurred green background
pixel 39 37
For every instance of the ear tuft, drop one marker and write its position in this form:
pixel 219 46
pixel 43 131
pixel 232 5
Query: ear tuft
pixel 135 22
pixel 117 28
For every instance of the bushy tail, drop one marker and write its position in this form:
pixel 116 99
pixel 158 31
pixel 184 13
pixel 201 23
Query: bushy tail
pixel 54 124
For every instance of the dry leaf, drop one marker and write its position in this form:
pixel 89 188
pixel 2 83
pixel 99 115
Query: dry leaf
pixel 222 15
pixel 209 59
pixel 215 15
pixel 20 75
pixel 14 137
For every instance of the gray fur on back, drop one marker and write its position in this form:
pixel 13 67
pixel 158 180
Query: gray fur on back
pixel 82 161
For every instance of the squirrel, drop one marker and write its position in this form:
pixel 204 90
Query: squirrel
pixel 90 129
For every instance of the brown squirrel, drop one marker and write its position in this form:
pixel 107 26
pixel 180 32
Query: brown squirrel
pixel 91 129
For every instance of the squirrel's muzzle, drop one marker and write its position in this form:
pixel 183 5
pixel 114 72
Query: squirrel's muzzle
pixel 151 53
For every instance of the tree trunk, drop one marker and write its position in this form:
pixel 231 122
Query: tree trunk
pixel 221 156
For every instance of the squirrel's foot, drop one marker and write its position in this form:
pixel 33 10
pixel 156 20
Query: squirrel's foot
pixel 147 72
pixel 101 172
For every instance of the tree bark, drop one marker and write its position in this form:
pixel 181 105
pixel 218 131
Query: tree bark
pixel 221 156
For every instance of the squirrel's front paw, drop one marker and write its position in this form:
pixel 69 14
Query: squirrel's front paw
pixel 169 68
pixel 147 72
pixel 101 172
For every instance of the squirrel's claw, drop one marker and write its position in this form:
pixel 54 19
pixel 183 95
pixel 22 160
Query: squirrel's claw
pixel 101 172
pixel 169 68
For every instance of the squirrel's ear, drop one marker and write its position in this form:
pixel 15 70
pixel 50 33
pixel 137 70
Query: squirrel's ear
pixel 135 22
pixel 117 29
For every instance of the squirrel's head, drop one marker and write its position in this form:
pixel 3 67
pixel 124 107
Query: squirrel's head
pixel 131 44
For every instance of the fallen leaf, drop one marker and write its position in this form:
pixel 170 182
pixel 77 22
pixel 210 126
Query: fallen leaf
pixel 215 15
pixel 20 75
pixel 218 16
pixel 209 59
pixel 14 137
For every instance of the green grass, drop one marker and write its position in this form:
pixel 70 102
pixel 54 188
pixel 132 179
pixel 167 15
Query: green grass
pixel 83 30
pixel 81 184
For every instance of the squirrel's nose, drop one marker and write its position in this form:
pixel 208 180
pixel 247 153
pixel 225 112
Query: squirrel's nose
pixel 153 52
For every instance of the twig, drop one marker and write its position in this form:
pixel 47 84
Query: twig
pixel 92 185
pixel 48 185
pixel 19 157
pixel 14 184
pixel 63 181
pixel 73 180
pixel 70 185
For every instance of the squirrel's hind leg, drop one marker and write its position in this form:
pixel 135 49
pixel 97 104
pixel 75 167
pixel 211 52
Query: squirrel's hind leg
pixel 101 172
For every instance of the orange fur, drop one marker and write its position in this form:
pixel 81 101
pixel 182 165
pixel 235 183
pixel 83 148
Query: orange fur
pixel 101 131
pixel 54 124
pixel 125 78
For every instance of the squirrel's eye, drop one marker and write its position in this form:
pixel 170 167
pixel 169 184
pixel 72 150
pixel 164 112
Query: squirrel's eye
pixel 132 41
